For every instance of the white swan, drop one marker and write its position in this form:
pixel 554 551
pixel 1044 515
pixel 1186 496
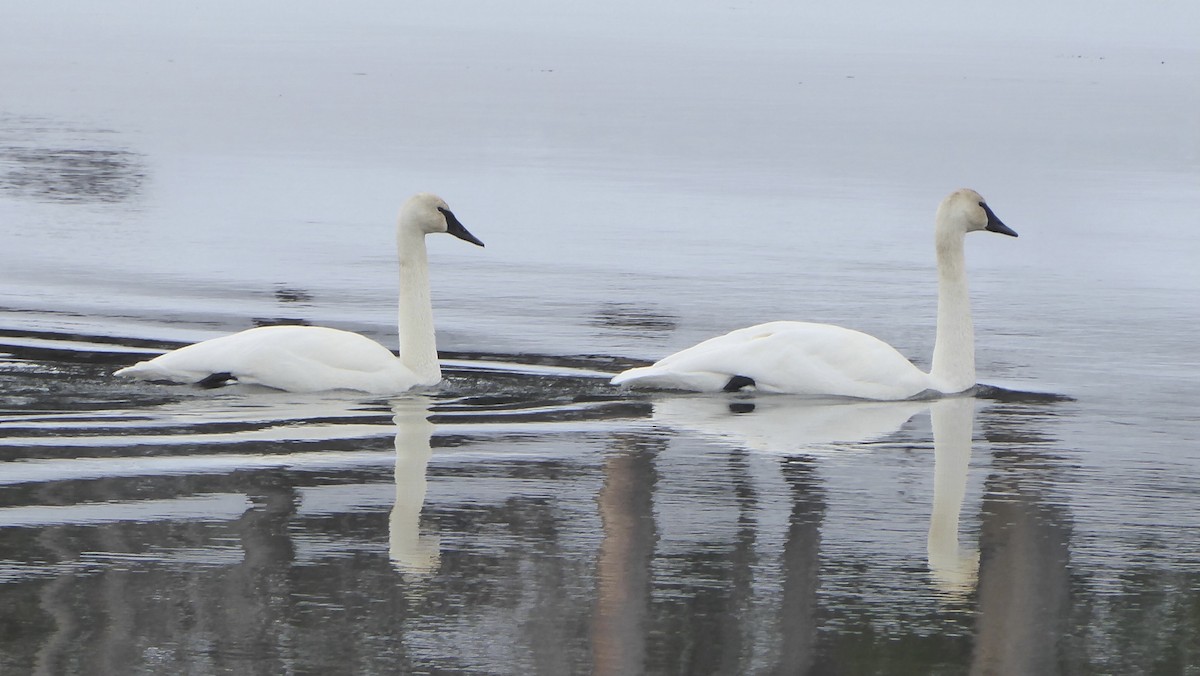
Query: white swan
pixel 826 360
pixel 313 358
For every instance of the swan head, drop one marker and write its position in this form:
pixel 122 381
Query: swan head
pixel 427 213
pixel 966 211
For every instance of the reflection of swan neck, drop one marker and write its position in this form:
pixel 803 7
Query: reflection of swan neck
pixel 418 349
pixel 953 368
pixel 409 551
pixel 952 422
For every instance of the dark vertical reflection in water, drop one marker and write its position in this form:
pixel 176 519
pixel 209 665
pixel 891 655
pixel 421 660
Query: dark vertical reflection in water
pixel 97 614
pixel 1024 580
pixel 56 600
pixel 738 626
pixel 254 597
pixel 551 613
pixel 801 570
pixel 626 504
pixel 700 615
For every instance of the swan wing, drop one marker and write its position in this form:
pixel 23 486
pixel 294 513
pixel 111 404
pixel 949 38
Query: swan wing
pixel 292 358
pixel 788 357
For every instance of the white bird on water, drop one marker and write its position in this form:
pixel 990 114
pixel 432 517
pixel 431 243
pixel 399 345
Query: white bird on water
pixel 314 358
pixel 827 360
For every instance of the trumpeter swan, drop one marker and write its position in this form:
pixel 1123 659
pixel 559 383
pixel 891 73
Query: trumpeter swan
pixel 313 358
pixel 826 360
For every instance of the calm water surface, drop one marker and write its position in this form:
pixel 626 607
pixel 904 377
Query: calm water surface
pixel 641 185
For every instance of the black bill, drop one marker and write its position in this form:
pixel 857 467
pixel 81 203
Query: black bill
pixel 458 230
pixel 994 223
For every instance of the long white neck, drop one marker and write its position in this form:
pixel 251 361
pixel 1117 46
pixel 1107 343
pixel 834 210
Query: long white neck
pixel 418 347
pixel 954 349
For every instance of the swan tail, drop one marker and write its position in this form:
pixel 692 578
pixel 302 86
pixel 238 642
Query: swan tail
pixel 151 370
pixel 657 378
pixel 139 371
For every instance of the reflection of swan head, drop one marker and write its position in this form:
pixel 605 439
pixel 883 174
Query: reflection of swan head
pixel 954 571
pixel 410 551
pixel 783 424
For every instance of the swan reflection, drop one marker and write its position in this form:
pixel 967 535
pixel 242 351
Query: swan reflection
pixel 788 426
pixel 954 570
pixel 410 551
pixel 785 425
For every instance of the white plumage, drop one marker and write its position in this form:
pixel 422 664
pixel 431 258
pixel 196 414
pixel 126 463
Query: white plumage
pixel 827 360
pixel 788 357
pixel 313 358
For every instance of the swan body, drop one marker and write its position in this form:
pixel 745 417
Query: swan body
pixel 826 360
pixel 314 358
pixel 788 358
pixel 291 358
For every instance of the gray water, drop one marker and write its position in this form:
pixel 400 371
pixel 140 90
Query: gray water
pixel 644 177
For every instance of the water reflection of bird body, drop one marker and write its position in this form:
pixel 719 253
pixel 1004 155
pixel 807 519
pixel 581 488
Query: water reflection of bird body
pixel 410 551
pixel 791 426
pixel 785 425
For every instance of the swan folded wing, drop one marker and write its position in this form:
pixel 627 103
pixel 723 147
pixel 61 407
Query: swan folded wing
pixel 789 357
pixel 292 358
